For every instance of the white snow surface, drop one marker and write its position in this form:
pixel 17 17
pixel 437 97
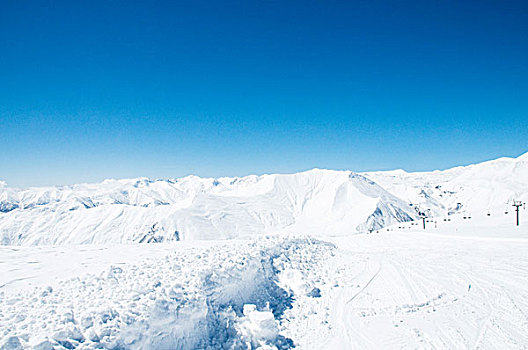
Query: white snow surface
pixel 177 296
pixel 312 202
pixel 269 262
pixel 460 285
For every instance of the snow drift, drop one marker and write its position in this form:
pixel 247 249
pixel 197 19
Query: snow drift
pixel 221 297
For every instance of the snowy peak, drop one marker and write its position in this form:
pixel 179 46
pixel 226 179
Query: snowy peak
pixel 483 187
pixel 142 210
pixel 317 201
pixel 523 157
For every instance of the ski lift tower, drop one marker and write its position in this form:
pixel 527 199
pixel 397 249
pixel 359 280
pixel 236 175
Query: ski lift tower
pixel 421 213
pixel 517 205
pixel 423 216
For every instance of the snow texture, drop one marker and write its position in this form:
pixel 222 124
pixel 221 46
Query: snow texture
pixel 224 296
pixel 269 262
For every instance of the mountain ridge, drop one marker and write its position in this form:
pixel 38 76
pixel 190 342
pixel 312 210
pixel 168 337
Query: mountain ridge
pixel 316 201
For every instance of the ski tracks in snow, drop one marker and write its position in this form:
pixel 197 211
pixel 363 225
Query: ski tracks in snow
pixel 396 292
pixel 367 269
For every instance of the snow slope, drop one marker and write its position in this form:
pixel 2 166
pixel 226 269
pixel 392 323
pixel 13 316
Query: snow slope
pixel 486 187
pixel 431 291
pixel 76 272
pixel 313 202
pixel 456 286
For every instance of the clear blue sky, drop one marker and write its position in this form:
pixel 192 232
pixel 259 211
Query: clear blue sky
pixel 92 90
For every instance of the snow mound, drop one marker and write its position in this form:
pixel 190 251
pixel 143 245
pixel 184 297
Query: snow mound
pixel 224 296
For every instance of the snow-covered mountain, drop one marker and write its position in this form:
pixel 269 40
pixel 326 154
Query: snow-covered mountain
pixel 312 202
pixel 458 283
pixel 479 188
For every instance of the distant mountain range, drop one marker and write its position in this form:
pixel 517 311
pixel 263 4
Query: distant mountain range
pixel 323 202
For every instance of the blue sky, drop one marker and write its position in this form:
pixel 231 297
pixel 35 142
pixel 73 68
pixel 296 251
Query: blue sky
pixel 92 90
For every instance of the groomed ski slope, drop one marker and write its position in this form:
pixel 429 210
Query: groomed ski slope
pixel 459 285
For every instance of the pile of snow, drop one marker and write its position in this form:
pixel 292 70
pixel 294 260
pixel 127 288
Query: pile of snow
pixel 227 295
